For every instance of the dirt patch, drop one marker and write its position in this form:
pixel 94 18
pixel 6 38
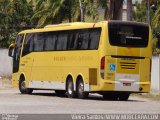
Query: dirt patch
pixel 5 82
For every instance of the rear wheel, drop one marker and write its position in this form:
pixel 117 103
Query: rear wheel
pixel 110 96
pixel 80 90
pixel 22 87
pixel 70 88
pixel 123 96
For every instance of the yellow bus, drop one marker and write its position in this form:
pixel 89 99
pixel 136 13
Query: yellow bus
pixel 111 58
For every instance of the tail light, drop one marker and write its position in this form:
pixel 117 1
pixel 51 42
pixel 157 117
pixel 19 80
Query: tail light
pixel 102 67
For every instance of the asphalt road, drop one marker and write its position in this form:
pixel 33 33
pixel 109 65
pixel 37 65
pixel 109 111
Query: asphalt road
pixel 46 102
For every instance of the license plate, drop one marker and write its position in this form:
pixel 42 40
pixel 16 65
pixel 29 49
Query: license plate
pixel 126 84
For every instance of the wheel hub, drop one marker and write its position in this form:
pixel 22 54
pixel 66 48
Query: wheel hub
pixel 70 88
pixel 23 85
pixel 80 88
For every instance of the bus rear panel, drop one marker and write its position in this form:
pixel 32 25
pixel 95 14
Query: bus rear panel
pixel 126 63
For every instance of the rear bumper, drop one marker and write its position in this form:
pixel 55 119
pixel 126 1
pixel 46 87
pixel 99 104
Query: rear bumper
pixel 137 87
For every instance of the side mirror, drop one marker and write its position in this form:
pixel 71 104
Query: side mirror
pixel 11 50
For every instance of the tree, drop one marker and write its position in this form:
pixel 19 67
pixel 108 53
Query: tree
pixel 155 23
pixel 91 9
pixel 95 7
pixel 21 14
pixel 105 5
pixel 129 10
pixel 5 21
pixel 15 16
pixel 140 13
pixel 57 11
pixel 53 11
pixel 112 8
pixel 115 11
pixel 155 20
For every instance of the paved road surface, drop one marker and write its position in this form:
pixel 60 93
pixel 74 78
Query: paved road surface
pixel 46 102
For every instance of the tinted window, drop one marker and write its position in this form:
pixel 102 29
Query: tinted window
pixel 28 44
pixel 39 42
pixel 72 38
pixel 50 41
pixel 17 53
pixel 62 41
pixel 128 34
pixel 19 45
pixel 94 38
pixel 86 39
pixel 83 40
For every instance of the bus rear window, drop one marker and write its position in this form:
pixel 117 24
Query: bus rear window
pixel 128 34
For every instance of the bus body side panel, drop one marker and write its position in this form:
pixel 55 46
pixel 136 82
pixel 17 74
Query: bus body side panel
pixel 51 71
pixel 26 67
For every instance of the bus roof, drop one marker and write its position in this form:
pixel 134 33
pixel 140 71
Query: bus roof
pixel 74 25
pixel 65 26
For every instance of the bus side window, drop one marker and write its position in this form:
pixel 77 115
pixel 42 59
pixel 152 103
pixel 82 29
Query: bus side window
pixel 39 42
pixel 72 38
pixel 50 41
pixel 79 42
pixel 28 44
pixel 19 45
pixel 94 37
pixel 62 41
pixel 83 40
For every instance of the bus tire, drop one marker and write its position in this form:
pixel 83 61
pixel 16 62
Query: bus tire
pixel 80 90
pixel 110 96
pixel 22 87
pixel 70 88
pixel 124 96
pixel 60 92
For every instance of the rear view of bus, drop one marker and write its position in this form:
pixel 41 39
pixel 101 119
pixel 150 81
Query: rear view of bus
pixel 126 64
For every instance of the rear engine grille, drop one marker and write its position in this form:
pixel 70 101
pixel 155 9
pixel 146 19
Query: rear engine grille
pixel 127 65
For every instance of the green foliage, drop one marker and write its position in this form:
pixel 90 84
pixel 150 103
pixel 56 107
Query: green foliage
pixel 46 11
pixel 21 14
pixel 57 11
pixel 15 16
pixel 140 16
pixel 155 23
pixel 5 15
pixel 140 13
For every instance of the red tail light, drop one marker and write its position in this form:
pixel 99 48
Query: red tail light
pixel 102 63
pixel 102 66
